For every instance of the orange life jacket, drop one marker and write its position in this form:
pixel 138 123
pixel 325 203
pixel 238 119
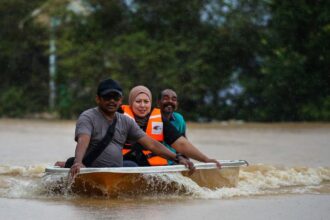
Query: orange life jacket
pixel 154 130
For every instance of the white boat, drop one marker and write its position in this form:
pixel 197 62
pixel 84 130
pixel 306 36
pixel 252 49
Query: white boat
pixel 114 180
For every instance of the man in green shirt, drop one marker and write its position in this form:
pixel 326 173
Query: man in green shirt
pixel 168 104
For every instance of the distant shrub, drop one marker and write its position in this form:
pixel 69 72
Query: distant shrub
pixel 13 102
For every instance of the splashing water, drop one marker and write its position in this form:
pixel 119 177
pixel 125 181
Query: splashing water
pixel 31 182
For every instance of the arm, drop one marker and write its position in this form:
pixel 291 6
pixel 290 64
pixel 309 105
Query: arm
pixel 81 147
pixel 184 146
pixel 162 151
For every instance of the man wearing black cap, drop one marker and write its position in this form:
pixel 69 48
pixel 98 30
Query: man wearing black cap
pixel 92 130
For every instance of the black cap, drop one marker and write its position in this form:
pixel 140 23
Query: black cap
pixel 107 86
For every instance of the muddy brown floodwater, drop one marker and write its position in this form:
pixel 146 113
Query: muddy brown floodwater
pixel 288 176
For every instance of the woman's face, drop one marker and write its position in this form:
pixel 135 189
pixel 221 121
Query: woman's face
pixel 141 105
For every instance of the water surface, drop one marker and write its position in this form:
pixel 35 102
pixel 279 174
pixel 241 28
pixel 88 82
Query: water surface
pixel 289 175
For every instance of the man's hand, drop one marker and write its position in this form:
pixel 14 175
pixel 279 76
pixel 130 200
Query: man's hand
pixel 187 163
pixel 75 169
pixel 60 164
pixel 214 161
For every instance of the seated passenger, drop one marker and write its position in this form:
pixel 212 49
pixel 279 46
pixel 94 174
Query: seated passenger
pixel 101 133
pixel 168 104
pixel 151 121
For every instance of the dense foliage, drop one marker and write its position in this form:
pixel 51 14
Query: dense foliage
pixel 255 60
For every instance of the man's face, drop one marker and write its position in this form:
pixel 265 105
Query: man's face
pixel 168 102
pixel 110 102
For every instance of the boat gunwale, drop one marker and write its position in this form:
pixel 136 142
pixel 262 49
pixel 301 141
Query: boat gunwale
pixel 150 169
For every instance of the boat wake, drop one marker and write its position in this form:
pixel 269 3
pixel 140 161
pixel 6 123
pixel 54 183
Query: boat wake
pixel 255 180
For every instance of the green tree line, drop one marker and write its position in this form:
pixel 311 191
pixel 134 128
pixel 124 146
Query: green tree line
pixel 253 60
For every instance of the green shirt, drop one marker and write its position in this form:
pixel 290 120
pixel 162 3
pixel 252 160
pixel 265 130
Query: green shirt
pixel 179 123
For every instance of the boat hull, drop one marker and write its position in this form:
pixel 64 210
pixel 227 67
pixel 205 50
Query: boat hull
pixel 144 180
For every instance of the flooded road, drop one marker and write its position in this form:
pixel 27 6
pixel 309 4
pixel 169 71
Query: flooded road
pixel 288 176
